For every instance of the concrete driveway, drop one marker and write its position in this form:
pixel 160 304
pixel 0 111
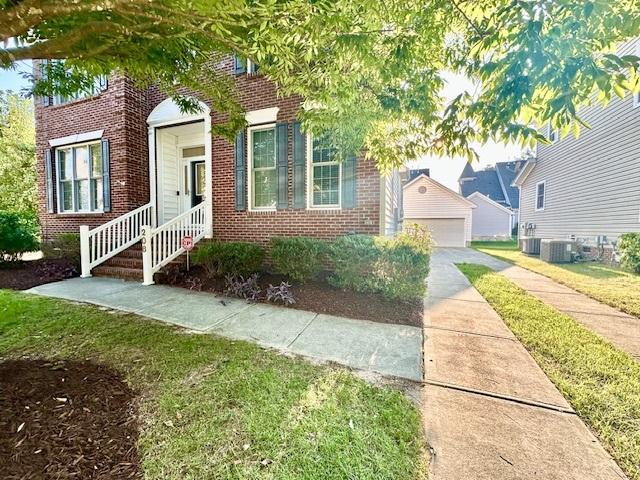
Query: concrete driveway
pixel 489 411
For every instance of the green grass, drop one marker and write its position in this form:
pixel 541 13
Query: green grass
pixel 601 382
pixel 231 404
pixel 607 284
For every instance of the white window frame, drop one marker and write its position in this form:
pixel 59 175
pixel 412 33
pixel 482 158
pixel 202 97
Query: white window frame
pixel 552 132
pixel 310 204
pixel 544 196
pixel 250 170
pixel 73 180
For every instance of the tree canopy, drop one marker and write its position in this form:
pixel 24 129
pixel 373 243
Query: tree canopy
pixel 370 71
pixel 18 188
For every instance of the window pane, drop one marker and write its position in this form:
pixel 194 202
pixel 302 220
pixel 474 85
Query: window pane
pixel 96 187
pixel 264 193
pixel 66 195
pixel 66 164
pixel 96 160
pixel 82 162
pixel 200 178
pixel 82 194
pixel 264 148
pixel 326 184
pixel 193 152
pixel 323 151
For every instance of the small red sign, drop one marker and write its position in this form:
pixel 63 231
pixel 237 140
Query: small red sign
pixel 187 242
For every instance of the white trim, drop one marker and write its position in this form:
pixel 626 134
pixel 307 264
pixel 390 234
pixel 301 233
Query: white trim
pixel 441 187
pixel 77 138
pixel 73 179
pixel 310 205
pixel 168 112
pixel 250 187
pixel 544 196
pixel 491 202
pixel 266 115
pixel 524 173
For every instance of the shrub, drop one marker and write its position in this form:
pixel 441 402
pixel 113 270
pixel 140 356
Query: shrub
pixel 280 294
pixel 396 267
pixel 233 258
pixel 629 247
pixel 299 258
pixel 18 234
pixel 238 286
pixel 65 245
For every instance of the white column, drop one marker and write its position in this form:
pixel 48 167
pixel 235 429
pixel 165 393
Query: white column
pixel 208 172
pixel 85 252
pixel 147 252
pixel 152 175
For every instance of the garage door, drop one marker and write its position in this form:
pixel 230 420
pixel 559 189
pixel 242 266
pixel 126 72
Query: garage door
pixel 446 232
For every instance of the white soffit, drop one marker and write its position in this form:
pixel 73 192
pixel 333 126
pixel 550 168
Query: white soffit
pixel 77 138
pixel 266 115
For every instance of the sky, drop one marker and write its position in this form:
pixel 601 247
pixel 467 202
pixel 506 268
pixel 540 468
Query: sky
pixel 444 170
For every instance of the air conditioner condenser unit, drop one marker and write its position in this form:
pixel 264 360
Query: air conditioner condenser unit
pixel 557 251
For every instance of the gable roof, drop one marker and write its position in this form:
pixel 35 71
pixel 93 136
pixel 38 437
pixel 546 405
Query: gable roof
pixel 494 183
pixel 431 181
pixel 524 172
pixel 491 202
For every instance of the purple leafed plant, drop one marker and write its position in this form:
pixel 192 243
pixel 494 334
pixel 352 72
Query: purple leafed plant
pixel 238 286
pixel 280 294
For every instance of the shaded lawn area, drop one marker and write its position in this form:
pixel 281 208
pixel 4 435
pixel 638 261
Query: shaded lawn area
pixel 607 284
pixel 601 382
pixel 214 408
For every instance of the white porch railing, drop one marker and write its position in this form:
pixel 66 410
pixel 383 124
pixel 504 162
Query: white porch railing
pixel 101 243
pixel 163 244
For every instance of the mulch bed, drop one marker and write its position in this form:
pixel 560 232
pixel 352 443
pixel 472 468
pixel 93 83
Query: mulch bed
pixel 66 420
pixel 24 275
pixel 318 296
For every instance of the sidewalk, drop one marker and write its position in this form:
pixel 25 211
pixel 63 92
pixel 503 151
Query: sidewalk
pixel 489 411
pixel 386 349
pixel 621 329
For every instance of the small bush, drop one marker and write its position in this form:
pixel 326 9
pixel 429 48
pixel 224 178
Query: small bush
pixel 238 286
pixel 233 258
pixel 396 267
pixel 299 258
pixel 629 247
pixel 18 234
pixel 280 294
pixel 65 245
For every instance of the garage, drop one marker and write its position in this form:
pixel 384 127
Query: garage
pixel 446 214
pixel 445 232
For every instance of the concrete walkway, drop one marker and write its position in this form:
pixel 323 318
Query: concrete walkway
pixel 489 411
pixel 387 349
pixel 619 328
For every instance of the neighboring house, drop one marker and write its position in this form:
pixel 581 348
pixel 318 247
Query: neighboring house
pixel 587 188
pixel 446 214
pixel 490 220
pixel 495 184
pixel 123 159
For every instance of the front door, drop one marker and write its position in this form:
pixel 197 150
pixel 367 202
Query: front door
pixel 192 177
pixel 197 182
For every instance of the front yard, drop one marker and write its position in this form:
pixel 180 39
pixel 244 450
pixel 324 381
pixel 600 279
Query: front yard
pixel 214 408
pixel 607 284
pixel 601 382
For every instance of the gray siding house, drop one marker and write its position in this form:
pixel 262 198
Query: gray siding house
pixel 587 189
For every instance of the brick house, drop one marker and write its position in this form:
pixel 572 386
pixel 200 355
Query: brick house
pixel 125 165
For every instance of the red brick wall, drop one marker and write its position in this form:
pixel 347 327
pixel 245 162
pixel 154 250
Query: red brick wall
pixel 122 111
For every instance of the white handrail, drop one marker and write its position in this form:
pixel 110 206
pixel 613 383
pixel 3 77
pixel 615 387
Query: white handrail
pixel 101 243
pixel 163 244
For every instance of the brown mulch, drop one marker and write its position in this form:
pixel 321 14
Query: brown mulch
pixel 318 296
pixel 24 275
pixel 66 420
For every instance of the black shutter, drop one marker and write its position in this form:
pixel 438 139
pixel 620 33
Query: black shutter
pixel 48 170
pixel 240 64
pixel 106 177
pixel 349 182
pixel 44 74
pixel 299 165
pixel 282 164
pixel 240 172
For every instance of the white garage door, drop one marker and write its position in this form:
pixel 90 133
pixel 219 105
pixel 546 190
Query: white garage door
pixel 446 232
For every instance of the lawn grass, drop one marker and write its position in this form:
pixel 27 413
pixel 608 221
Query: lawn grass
pixel 607 284
pixel 215 408
pixel 601 382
